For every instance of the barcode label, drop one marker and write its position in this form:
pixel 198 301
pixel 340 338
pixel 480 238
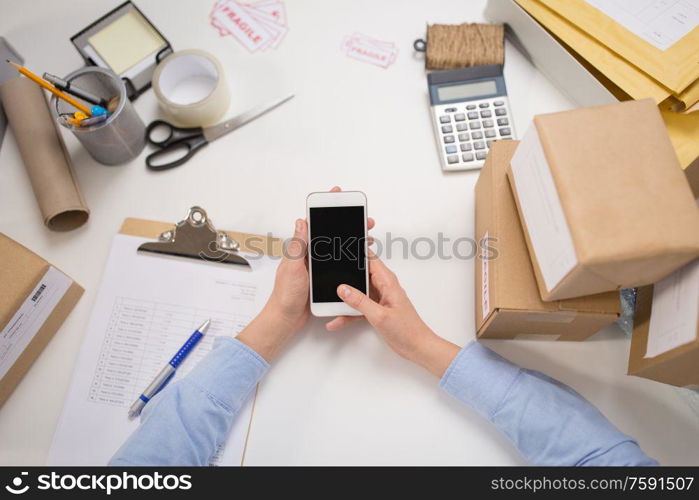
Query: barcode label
pixel 16 335
pixel 38 292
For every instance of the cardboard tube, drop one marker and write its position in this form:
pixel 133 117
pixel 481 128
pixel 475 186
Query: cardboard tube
pixel 44 154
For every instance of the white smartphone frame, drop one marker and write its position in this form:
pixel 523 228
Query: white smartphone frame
pixel 335 199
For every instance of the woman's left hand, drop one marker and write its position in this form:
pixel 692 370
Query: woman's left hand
pixel 287 310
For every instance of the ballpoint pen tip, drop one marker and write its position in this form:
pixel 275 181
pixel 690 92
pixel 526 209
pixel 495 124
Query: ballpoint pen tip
pixel 204 326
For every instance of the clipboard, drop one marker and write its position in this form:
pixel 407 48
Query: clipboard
pixel 202 231
pixel 192 237
pixel 160 280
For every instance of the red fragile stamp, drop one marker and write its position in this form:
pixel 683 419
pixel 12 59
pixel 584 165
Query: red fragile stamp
pixel 257 26
pixel 369 50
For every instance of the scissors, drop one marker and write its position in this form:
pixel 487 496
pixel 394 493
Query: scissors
pixel 177 145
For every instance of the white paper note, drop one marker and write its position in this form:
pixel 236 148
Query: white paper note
pixel 147 306
pixel 673 316
pixel 541 207
pixel 659 22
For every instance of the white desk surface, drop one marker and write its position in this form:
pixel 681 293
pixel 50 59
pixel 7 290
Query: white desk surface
pixel 341 398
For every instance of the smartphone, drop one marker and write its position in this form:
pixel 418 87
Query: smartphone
pixel 337 249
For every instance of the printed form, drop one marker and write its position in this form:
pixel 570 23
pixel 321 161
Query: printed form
pixel 146 308
pixel 659 22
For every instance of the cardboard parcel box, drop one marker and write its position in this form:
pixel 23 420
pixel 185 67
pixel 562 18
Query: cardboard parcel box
pixel 602 200
pixel 508 304
pixel 665 342
pixel 35 300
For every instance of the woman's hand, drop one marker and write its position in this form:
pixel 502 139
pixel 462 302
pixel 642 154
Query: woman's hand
pixel 287 310
pixel 396 320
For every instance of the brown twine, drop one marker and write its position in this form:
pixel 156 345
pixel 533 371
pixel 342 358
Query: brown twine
pixel 451 46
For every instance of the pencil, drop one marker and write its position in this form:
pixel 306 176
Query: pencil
pixel 50 88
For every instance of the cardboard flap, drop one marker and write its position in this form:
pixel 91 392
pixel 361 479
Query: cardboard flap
pixel 604 303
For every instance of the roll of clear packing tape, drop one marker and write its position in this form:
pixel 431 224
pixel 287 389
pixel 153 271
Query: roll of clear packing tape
pixel 191 88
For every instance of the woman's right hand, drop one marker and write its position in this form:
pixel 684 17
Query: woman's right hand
pixel 394 317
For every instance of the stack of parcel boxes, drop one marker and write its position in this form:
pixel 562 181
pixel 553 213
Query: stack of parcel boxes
pixel 591 201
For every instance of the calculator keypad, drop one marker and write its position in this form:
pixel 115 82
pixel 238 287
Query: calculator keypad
pixel 466 130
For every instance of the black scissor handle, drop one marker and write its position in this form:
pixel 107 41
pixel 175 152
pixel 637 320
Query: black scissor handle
pixel 162 133
pixel 176 153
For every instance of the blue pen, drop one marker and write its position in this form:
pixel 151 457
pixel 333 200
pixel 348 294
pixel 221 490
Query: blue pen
pixel 168 372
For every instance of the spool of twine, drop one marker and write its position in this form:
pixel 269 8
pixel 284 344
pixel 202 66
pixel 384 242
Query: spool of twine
pixel 451 46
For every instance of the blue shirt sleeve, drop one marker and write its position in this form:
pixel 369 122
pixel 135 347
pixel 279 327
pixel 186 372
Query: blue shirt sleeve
pixel 548 422
pixel 186 422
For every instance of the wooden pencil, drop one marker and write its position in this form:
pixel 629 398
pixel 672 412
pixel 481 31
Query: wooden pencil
pixel 50 88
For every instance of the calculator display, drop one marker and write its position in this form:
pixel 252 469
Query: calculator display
pixel 467 90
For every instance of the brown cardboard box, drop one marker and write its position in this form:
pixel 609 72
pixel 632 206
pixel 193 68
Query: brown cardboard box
pixel 673 353
pixel 508 304
pixel 603 200
pixel 692 173
pixel 35 300
pixel 679 365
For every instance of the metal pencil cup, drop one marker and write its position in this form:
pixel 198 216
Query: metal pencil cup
pixel 122 136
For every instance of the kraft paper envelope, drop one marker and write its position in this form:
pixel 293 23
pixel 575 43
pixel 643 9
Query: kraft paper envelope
pixel 608 66
pixel 676 67
pixel 621 72
pixel 684 135
pixel 627 77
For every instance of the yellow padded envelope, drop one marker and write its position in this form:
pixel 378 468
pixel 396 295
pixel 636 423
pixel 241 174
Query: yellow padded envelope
pixel 612 70
pixel 627 77
pixel 675 68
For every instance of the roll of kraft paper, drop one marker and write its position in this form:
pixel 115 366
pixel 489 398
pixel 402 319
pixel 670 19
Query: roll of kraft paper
pixel 44 154
pixel 191 88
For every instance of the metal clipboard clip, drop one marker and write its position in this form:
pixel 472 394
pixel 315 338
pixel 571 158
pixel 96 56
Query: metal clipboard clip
pixel 195 237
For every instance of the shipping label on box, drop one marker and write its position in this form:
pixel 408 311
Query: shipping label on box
pixel 602 200
pixel 508 304
pixel 36 299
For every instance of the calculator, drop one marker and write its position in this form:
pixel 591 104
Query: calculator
pixel 470 110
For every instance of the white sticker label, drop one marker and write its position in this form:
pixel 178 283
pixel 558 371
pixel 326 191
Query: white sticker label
pixel 673 315
pixel 541 207
pixel 485 279
pixel 659 22
pixel 30 316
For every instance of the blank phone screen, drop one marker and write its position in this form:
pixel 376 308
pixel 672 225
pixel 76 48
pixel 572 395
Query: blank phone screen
pixel 337 250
